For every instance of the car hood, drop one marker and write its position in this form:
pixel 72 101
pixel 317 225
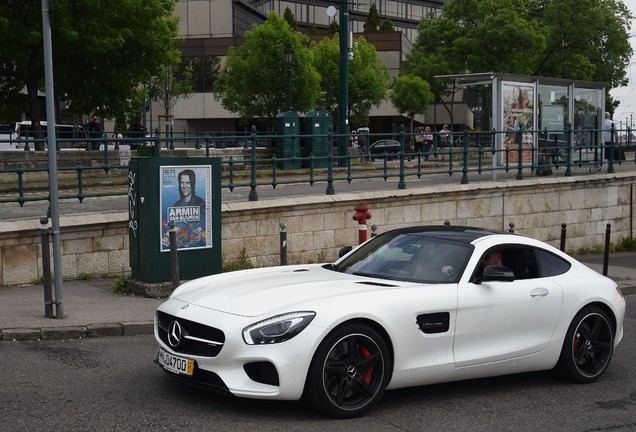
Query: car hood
pixel 262 291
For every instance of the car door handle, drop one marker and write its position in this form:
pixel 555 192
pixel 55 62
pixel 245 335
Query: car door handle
pixel 539 292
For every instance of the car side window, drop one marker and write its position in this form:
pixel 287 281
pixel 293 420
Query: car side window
pixel 550 264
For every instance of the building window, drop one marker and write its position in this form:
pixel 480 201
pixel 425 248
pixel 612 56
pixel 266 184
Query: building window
pixel 205 69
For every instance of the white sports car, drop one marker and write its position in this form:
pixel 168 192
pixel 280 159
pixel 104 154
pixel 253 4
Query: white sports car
pixel 409 307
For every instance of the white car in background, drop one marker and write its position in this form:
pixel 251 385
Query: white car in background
pixel 409 307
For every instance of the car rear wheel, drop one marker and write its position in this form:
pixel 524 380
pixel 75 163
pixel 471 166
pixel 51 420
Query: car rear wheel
pixel 349 372
pixel 588 346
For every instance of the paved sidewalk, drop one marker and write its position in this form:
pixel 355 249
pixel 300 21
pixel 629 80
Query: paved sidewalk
pixel 91 308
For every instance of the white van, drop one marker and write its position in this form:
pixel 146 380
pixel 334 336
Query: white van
pixel 68 136
pixel 7 137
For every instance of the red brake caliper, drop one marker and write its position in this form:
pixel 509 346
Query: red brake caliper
pixel 364 352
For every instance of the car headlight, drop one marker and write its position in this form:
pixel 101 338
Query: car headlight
pixel 278 328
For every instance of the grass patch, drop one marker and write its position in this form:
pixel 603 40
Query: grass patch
pixel 242 262
pixel 120 285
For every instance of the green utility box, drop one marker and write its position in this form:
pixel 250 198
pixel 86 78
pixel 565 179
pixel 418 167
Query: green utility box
pixel 186 191
pixel 317 126
pixel 287 140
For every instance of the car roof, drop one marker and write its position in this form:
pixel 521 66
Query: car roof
pixel 465 234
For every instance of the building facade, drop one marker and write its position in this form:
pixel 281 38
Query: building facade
pixel 210 27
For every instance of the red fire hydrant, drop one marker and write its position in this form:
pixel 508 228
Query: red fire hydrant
pixel 361 215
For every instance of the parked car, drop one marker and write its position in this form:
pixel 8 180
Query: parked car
pixel 68 136
pixel 390 147
pixel 409 307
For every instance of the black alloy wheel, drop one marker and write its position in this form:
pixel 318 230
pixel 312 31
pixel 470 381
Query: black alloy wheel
pixel 588 346
pixel 349 372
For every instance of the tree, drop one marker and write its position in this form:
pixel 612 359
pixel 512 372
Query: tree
pixel 288 15
pixel 368 77
pixel 387 26
pixel 101 53
pixel 586 40
pixel 411 95
pixel 169 86
pixel 252 83
pixel 372 23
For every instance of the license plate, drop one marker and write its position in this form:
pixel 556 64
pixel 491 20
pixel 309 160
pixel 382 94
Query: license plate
pixel 176 364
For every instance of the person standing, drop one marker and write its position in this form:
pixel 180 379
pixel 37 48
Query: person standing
pixel 135 131
pixel 608 123
pixel 446 136
pixel 94 133
pixel 427 141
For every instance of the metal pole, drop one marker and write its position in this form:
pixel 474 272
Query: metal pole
pixel 46 268
pixel 608 232
pixel 174 255
pixel 50 119
pixel 343 105
pixel 563 233
pixel 283 243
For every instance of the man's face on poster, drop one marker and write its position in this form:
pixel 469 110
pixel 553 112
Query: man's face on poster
pixel 185 185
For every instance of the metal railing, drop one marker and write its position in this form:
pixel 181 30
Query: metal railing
pixel 257 165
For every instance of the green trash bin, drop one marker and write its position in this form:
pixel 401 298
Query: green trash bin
pixel 186 191
pixel 317 126
pixel 287 140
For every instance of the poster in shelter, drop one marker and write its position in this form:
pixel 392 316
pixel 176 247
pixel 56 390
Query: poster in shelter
pixel 518 120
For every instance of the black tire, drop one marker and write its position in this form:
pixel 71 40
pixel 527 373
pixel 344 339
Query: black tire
pixel 588 346
pixel 349 372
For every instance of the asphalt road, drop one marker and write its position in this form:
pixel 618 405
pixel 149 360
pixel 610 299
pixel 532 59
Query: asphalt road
pixel 112 384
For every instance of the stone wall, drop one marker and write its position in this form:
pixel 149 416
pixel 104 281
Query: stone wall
pixel 318 226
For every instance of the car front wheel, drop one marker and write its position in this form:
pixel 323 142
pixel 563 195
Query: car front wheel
pixel 588 346
pixel 349 372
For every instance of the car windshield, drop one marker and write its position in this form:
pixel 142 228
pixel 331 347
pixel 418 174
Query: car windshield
pixel 413 257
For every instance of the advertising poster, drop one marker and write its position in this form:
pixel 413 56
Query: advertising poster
pixel 185 198
pixel 518 119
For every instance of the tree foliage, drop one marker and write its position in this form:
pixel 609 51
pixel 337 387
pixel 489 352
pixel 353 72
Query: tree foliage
pixel 368 77
pixel 411 95
pixel 253 81
pixel 169 86
pixel 288 15
pixel 372 23
pixel 101 53
pixel 585 40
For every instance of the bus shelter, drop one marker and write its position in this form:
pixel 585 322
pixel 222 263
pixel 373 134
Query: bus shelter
pixel 528 110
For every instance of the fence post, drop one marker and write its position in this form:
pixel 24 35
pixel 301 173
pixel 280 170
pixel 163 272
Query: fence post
pixel 253 194
pixel 46 268
pixel 520 154
pixel 563 232
pixel 283 243
pixel 174 255
pixel 401 182
pixel 608 232
pixel 465 166
pixel 568 165
pixel 610 159
pixel 330 189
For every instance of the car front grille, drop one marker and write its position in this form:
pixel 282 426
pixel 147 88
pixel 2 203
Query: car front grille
pixel 196 339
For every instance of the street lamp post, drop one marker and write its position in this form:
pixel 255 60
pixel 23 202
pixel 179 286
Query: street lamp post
pixel 289 59
pixel 344 78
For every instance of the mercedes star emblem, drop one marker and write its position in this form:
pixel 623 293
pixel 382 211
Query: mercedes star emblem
pixel 175 332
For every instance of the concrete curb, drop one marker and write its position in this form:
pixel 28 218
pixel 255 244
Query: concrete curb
pixel 129 328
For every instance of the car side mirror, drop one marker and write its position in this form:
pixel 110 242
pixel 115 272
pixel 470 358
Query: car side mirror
pixel 344 250
pixel 497 273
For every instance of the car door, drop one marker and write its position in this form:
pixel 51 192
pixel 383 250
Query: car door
pixel 503 320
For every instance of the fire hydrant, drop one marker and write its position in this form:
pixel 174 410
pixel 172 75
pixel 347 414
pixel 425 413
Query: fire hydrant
pixel 361 215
